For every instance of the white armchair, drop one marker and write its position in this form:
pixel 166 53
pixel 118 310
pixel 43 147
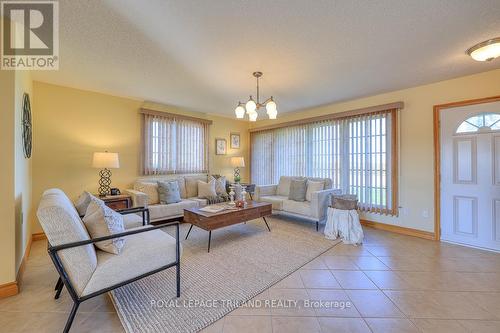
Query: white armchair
pixel 313 210
pixel 86 271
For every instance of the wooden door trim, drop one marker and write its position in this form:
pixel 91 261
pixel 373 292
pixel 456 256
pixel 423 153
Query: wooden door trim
pixel 437 153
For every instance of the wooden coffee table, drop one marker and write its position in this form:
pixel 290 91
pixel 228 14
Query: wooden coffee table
pixel 212 221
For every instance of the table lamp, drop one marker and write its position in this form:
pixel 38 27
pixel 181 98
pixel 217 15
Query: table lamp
pixel 105 161
pixel 237 163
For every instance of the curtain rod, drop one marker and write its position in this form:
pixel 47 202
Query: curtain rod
pixel 344 114
pixel 173 115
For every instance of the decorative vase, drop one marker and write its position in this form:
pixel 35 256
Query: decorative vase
pixel 231 196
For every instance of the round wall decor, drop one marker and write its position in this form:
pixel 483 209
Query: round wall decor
pixel 27 126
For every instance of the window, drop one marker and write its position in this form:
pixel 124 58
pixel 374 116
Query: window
pixel 174 144
pixel 483 122
pixel 358 153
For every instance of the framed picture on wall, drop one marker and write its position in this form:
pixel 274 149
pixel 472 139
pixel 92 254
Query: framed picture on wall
pixel 235 141
pixel 220 146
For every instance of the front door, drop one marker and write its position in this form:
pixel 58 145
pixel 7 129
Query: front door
pixel 470 175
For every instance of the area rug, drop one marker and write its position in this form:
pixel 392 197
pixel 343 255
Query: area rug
pixel 244 260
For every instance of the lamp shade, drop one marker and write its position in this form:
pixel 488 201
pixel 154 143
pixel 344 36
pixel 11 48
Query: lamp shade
pixel 237 162
pixel 103 160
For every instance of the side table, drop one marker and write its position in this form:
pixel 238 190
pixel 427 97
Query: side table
pixel 250 188
pixel 117 202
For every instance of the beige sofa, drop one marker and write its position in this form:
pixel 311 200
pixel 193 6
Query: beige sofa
pixel 145 194
pixel 313 210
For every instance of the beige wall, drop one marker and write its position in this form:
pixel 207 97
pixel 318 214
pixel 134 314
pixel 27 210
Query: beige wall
pixel 416 143
pixel 71 124
pixel 7 204
pixel 23 176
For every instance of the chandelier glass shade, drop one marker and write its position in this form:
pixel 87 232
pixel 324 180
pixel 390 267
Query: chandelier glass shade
pixel 252 106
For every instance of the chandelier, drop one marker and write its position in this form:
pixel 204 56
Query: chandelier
pixel 252 106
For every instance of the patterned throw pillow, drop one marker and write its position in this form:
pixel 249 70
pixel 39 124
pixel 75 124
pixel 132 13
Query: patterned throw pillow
pixel 206 190
pixel 169 192
pixel 101 221
pixel 298 190
pixel 220 185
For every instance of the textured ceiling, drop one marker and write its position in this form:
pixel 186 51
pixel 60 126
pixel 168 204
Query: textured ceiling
pixel 200 54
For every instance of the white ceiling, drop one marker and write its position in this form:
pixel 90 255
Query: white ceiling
pixel 200 54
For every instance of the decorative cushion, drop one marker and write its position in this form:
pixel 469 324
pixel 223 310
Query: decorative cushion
pixel 191 187
pixel 169 192
pixel 206 189
pixel 101 221
pixel 83 202
pixel 345 202
pixel 298 190
pixel 313 186
pixel 151 189
pixel 284 185
pixel 220 185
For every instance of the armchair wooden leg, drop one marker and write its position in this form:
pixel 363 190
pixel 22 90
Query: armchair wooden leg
pixel 71 317
pixel 317 226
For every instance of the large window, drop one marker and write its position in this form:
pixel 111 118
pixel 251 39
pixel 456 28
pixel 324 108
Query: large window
pixel 174 144
pixel 358 153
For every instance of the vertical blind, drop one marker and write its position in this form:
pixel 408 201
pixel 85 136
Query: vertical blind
pixel 174 145
pixel 356 152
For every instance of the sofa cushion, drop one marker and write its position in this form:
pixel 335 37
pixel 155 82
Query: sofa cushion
pixel 275 200
pixel 182 187
pixel 168 192
pixel 141 254
pixel 160 211
pixel 192 186
pixel 298 189
pixel 326 181
pixel 295 207
pixel 313 186
pixel 132 221
pixel 151 189
pixel 102 221
pixel 284 186
pixel 202 202
pixel 61 224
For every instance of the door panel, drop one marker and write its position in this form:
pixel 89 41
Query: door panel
pixel 465 160
pixel 465 216
pixel 470 177
pixel 496 160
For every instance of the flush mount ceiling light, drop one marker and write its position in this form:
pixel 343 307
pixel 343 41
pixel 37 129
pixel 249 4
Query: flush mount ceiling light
pixel 252 106
pixel 485 51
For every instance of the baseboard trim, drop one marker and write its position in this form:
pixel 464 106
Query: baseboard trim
pixel 13 288
pixel 38 236
pixel 9 289
pixel 399 230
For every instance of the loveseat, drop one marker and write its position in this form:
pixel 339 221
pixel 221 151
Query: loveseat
pixel 313 208
pixel 145 194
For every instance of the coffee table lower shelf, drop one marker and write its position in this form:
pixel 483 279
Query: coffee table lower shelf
pixel 213 221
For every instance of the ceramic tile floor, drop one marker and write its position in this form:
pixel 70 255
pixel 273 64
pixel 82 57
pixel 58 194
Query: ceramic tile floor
pixel 393 283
